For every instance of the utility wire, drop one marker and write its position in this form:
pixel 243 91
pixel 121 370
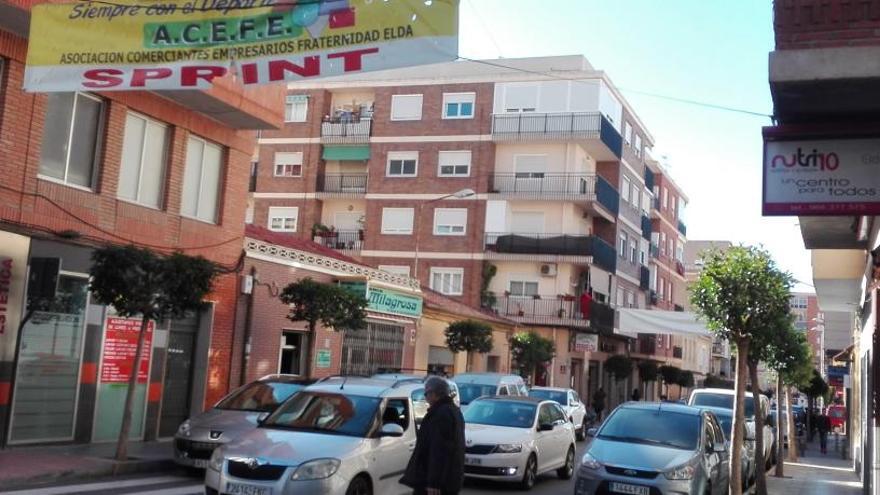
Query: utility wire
pixel 486 28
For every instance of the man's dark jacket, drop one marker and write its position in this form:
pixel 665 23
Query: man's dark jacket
pixel 438 459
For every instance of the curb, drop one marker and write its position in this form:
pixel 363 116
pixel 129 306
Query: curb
pixel 101 468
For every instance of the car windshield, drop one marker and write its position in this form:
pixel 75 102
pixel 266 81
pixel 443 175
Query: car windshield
pixel 653 427
pixel 259 396
pixel 467 392
pixel 326 413
pixel 501 413
pixel 724 401
pixel 554 395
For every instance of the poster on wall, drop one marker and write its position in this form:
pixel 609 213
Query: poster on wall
pixel 13 277
pixel 120 346
pixel 586 342
pixel 185 44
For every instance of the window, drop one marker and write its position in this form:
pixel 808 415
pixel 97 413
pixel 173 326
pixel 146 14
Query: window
pixel 625 189
pixel 627 133
pixel 530 167
pixel 670 250
pixel 635 196
pixel 447 280
pixel 292 348
pixel 521 288
pixel 492 364
pixel 621 297
pixel 661 292
pixel 402 163
pixel 201 180
pixel 458 105
pixel 520 98
pixel 296 108
pixel 646 201
pixel 634 249
pixel 454 164
pixel 665 198
pixel 397 221
pixel 396 269
pixel 70 138
pixel 638 148
pixel 396 412
pixel 630 299
pixel 679 251
pixel 283 219
pixel 662 243
pixel 621 247
pixel 643 252
pixel 142 171
pixel 450 221
pixel 406 107
pixel 288 164
pixel 674 210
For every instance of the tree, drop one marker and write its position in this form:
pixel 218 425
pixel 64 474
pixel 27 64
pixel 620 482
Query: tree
pixel 740 293
pixel 140 282
pixel 469 336
pixel 618 366
pixel 529 350
pixel 331 305
pixel 648 372
pixel 487 298
pixel 669 374
pixel 713 381
pixel 685 380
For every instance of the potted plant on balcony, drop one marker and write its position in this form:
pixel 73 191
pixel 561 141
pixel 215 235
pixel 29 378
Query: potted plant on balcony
pixel 536 296
pixel 360 223
pixel 319 230
pixel 560 313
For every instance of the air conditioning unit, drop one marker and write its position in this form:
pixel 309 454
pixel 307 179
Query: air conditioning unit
pixel 548 270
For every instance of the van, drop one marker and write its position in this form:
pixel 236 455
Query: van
pixel 475 385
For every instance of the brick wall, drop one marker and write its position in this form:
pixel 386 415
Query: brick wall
pixel 432 122
pixel 801 24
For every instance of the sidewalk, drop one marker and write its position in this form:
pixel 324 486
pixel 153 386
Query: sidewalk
pixel 816 474
pixel 31 466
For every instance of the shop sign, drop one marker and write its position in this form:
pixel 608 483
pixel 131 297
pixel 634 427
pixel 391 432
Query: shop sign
pixel 322 358
pixel 120 346
pixel 586 342
pixel 185 44
pixel 821 177
pixel 13 279
pixel 386 301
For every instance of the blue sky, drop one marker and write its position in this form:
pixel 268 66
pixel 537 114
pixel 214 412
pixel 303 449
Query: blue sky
pixel 708 51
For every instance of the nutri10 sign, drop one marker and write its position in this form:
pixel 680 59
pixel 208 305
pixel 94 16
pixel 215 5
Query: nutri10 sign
pixel 825 177
pixel 185 44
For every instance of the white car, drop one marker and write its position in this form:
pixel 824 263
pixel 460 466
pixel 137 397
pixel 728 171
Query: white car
pixel 574 409
pixel 339 436
pixel 517 438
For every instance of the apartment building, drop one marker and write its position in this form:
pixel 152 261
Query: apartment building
pixel 517 185
pixel 166 170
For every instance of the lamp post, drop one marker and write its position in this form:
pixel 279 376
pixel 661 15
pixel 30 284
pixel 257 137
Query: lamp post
pixel 464 193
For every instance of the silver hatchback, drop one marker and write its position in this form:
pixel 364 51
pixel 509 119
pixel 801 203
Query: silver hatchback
pixel 656 448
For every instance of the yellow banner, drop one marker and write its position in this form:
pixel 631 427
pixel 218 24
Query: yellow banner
pixel 184 44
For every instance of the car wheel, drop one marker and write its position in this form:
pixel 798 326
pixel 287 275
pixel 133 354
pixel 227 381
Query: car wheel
pixel 359 486
pixel 582 434
pixel 567 471
pixel 530 474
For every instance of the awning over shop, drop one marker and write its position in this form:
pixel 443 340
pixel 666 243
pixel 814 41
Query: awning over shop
pixel 346 152
pixel 635 321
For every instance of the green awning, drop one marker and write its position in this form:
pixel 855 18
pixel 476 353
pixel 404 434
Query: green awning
pixel 346 152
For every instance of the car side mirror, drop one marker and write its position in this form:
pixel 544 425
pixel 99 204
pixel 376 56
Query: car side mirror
pixel 591 432
pixel 262 418
pixel 391 430
pixel 545 427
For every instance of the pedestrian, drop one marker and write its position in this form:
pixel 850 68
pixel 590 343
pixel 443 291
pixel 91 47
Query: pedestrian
pixel 437 463
pixel 823 425
pixel 636 395
pixel 599 403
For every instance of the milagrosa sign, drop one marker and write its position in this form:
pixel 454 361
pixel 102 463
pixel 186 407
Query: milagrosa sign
pixel 822 177
pixel 185 44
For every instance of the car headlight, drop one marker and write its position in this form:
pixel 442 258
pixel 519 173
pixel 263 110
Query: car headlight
pixel 507 448
pixel 685 472
pixel 216 462
pixel 590 462
pixel 184 428
pixel 315 470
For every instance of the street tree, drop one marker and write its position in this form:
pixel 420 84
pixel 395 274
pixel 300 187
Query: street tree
pixel 138 282
pixel 669 374
pixel 619 367
pixel 469 336
pixel 331 305
pixel 529 350
pixel 685 380
pixel 648 372
pixel 739 294
pixel 789 356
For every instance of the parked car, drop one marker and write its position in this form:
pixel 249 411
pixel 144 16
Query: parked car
pixel 339 436
pixel 475 385
pixel 516 439
pixel 747 455
pixel 420 405
pixel 723 398
pixel 646 448
pixel 837 416
pixel 233 415
pixel 574 408
pixel 800 428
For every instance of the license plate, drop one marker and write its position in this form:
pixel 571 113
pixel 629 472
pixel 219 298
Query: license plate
pixel 629 489
pixel 473 461
pixel 200 463
pixel 242 489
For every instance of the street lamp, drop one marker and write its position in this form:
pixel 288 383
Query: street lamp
pixel 464 193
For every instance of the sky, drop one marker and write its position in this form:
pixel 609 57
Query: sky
pixel 706 51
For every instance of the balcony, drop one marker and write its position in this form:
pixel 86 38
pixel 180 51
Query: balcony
pixel 594 192
pixel 590 129
pixel 646 227
pixel 649 179
pixel 342 185
pixel 551 247
pixel 652 298
pixel 644 278
pixel 349 130
pixel 682 228
pixel 347 241
pixel 555 310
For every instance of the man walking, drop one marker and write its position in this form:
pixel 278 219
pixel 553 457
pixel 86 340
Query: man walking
pixel 823 424
pixel 599 403
pixel 437 463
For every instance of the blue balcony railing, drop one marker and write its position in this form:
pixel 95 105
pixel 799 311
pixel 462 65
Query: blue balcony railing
pixel 649 179
pixel 682 228
pixel 655 251
pixel 612 139
pixel 607 195
pixel 644 278
pixel 563 125
pixel 646 227
pixel 603 253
